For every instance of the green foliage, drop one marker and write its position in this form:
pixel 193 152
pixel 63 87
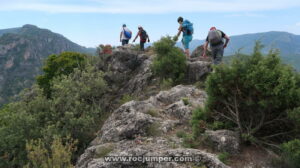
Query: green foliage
pixel 166 84
pixel 57 65
pixel 74 109
pixel 181 134
pixel 291 152
pixel 170 61
pixel 153 112
pixel 185 101
pixel 223 157
pixel 199 118
pixel 189 141
pixel 255 94
pixel 153 130
pixel 126 98
pixel 59 155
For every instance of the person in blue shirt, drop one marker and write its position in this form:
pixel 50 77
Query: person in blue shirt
pixel 186 27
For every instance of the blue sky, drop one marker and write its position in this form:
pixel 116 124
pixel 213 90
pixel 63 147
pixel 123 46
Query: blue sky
pixel 93 22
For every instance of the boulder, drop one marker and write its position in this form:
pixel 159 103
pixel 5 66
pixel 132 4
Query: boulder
pixel 197 70
pixel 224 140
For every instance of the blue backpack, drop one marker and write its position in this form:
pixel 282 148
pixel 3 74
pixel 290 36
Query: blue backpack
pixel 187 27
pixel 127 34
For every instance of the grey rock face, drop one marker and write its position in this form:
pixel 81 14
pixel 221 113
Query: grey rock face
pixel 197 70
pixel 225 140
pixel 140 128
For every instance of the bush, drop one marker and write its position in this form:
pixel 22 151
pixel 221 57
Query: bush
pixel 291 152
pixel 170 61
pixel 57 65
pixel 223 157
pixel 255 94
pixel 75 109
pixel 198 121
pixel 59 155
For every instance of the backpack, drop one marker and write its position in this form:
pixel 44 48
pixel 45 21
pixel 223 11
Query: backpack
pixel 215 37
pixel 127 34
pixel 144 36
pixel 188 28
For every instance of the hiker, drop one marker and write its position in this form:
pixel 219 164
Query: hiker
pixel 187 28
pixel 143 37
pixel 215 39
pixel 125 35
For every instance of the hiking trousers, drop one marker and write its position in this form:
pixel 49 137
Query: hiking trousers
pixel 217 54
pixel 142 46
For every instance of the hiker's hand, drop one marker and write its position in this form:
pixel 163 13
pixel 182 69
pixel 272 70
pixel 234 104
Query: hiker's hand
pixel 148 41
pixel 225 46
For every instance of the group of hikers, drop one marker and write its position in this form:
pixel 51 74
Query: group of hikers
pixel 215 39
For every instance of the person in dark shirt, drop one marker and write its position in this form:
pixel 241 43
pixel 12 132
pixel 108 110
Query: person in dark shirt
pixel 143 37
pixel 215 39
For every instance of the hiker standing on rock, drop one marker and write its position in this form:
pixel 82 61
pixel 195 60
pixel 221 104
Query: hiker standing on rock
pixel 186 27
pixel 125 35
pixel 215 39
pixel 143 37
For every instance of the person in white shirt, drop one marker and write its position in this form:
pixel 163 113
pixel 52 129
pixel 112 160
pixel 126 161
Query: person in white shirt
pixel 125 35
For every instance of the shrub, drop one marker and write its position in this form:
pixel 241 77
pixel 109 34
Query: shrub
pixel 223 157
pixel 57 65
pixel 170 61
pixel 180 134
pixel 291 152
pixel 255 94
pixel 153 112
pixel 198 121
pixel 185 101
pixel 166 84
pixel 153 130
pixel 59 155
pixel 126 98
pixel 74 109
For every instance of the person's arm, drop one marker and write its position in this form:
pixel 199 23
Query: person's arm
pixel 179 31
pixel 136 36
pixel 227 40
pixel 148 38
pixel 205 49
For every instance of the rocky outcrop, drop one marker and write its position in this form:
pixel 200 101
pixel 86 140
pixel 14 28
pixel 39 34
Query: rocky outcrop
pixel 224 140
pixel 143 128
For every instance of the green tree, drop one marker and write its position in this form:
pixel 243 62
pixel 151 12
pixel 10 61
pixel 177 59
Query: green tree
pixel 255 93
pixel 57 65
pixel 74 109
pixel 170 62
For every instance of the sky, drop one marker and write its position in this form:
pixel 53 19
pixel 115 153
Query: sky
pixel 93 22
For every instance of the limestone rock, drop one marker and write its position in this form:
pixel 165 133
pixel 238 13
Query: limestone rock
pixel 225 140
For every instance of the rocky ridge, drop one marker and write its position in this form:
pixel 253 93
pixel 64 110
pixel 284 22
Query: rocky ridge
pixel 147 126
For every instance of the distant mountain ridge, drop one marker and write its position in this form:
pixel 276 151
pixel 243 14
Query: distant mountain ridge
pixel 287 43
pixel 22 52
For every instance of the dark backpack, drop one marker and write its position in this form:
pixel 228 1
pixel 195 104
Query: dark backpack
pixel 144 36
pixel 215 37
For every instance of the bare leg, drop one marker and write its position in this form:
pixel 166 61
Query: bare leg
pixel 187 53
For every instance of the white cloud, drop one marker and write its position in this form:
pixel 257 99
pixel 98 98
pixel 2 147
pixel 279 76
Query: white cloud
pixel 150 6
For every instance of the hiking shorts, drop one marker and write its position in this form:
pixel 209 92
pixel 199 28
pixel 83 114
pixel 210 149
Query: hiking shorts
pixel 186 41
pixel 124 42
pixel 217 53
